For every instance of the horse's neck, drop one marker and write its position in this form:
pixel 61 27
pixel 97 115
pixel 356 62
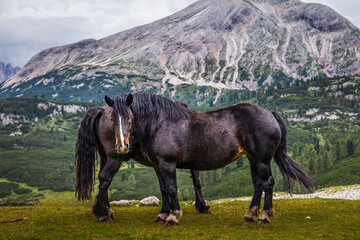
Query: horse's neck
pixel 144 123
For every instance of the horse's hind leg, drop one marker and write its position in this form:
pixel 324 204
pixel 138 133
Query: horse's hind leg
pixel 101 207
pixel 267 182
pixel 200 204
pixel 254 209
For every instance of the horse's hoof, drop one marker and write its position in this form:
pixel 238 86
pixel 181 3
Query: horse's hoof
pixel 265 216
pixel 249 216
pixel 173 218
pixel 105 219
pixel 159 219
pixel 245 219
pixel 263 221
pixel 271 212
pixel 169 223
pixel 204 211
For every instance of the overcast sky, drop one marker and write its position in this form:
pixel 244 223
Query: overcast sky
pixel 29 26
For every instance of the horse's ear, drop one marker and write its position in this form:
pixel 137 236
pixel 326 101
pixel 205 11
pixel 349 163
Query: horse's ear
pixel 109 101
pixel 129 100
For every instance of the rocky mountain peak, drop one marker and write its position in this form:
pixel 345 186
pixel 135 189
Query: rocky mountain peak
pixel 7 71
pixel 231 44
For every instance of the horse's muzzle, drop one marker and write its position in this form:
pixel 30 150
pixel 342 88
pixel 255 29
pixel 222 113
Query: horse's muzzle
pixel 121 149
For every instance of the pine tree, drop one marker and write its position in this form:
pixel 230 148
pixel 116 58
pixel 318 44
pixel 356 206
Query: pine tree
pixel 310 148
pixel 319 164
pixel 180 195
pixel 296 188
pixel 276 96
pixel 295 150
pixel 331 159
pixel 132 164
pixel 131 182
pixel 214 175
pixel 204 178
pixel 186 194
pixel 338 150
pixel 209 176
pixel 326 160
pixel 327 145
pixel 317 145
pixel 312 158
pixel 357 151
pixel 349 146
pixel 300 159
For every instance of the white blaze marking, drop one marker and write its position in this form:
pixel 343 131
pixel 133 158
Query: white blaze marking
pixel 121 133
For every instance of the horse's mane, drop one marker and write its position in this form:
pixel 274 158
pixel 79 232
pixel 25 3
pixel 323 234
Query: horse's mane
pixel 150 104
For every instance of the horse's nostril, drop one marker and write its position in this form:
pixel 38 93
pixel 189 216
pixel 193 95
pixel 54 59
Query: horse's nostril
pixel 126 145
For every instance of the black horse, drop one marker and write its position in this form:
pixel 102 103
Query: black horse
pixel 96 134
pixel 171 136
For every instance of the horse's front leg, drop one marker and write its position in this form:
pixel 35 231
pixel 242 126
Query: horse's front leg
pixel 165 208
pixel 101 207
pixel 168 172
pixel 200 204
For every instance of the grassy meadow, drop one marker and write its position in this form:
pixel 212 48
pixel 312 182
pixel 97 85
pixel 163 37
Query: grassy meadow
pixel 60 216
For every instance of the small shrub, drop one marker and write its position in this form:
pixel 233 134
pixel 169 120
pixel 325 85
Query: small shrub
pixel 22 190
pixel 6 188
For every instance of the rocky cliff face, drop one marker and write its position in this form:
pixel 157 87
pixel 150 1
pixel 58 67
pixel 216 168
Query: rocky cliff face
pixel 7 71
pixel 230 44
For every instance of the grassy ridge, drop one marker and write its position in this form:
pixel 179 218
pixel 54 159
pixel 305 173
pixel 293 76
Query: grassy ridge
pixel 334 219
pixel 350 166
pixel 41 159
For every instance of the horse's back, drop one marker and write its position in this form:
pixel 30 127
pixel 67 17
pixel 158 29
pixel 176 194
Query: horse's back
pixel 245 116
pixel 215 138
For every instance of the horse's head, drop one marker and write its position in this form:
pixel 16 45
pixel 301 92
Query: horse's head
pixel 122 120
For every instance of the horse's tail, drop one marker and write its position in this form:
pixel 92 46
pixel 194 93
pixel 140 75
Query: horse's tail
pixel 85 153
pixel 288 167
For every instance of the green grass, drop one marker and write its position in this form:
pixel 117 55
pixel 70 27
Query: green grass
pixel 333 219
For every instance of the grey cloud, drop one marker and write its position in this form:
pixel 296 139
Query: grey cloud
pixel 29 26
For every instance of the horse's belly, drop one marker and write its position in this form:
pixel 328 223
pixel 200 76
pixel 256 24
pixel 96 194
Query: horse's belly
pixel 209 160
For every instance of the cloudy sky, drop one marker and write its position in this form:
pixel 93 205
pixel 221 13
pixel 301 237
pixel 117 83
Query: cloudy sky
pixel 29 26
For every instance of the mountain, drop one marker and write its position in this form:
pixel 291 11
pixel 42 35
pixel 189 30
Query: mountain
pixel 210 46
pixel 7 71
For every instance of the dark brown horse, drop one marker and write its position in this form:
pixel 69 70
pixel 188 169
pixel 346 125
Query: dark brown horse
pixel 171 136
pixel 96 134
